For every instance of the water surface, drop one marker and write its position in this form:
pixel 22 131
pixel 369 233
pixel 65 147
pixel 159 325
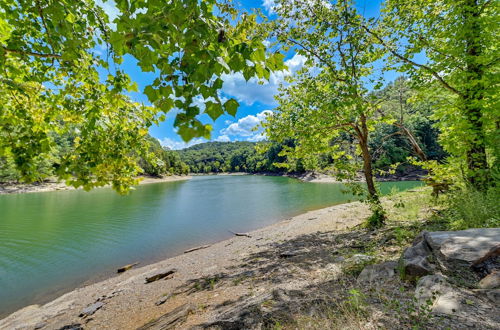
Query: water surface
pixel 53 241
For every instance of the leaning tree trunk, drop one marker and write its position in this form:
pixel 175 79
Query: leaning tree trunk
pixel 413 141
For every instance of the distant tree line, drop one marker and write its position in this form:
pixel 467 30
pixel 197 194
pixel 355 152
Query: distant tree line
pixel 216 157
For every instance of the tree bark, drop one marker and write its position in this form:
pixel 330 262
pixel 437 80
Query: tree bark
pixel 367 169
pixel 473 94
pixel 367 160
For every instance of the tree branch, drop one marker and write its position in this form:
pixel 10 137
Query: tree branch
pixel 309 50
pixel 22 52
pixel 407 60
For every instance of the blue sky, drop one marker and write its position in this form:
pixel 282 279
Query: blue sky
pixel 255 99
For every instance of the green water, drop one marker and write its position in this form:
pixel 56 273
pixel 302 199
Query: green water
pixel 52 242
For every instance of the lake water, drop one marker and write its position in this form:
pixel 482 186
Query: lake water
pixel 53 241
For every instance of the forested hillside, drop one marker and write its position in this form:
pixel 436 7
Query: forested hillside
pixel 215 157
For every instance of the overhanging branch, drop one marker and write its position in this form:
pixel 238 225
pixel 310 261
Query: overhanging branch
pixel 407 60
pixel 22 52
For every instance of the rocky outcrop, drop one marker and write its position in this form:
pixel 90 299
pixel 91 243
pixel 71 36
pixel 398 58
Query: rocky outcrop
pixel 456 249
pixel 457 274
pixel 451 252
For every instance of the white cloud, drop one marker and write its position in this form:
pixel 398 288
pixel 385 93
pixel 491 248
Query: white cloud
pixel 269 5
pixel 247 128
pixel 253 91
pixel 177 145
pixel 223 138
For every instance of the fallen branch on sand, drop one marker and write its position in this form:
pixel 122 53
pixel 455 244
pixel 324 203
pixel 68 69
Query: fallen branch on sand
pixel 159 276
pixel 240 234
pixel 197 248
pixel 126 267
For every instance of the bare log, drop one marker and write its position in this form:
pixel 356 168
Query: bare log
pixel 126 267
pixel 240 234
pixel 197 248
pixel 159 276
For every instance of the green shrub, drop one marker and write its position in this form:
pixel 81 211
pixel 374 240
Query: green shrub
pixel 473 209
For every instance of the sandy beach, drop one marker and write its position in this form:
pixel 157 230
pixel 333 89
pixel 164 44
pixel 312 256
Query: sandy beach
pixel 206 281
pixel 19 188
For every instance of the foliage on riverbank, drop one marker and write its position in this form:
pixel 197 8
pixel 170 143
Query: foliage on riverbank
pixel 338 301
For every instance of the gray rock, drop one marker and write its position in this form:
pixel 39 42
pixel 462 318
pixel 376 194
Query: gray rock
pixel 360 258
pixel 415 261
pixel 458 303
pixel 91 309
pixel 491 281
pixel 459 248
pixel 453 251
pixel 378 273
pixel 435 291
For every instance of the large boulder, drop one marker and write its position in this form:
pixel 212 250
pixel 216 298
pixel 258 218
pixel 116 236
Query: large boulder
pixel 462 248
pixel 451 252
pixel 416 260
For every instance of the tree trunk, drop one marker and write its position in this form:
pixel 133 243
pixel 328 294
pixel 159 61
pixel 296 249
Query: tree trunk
pixel 472 97
pixel 413 141
pixel 377 218
pixel 367 158
pixel 367 169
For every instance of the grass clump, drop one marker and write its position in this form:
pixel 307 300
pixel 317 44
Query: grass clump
pixel 473 209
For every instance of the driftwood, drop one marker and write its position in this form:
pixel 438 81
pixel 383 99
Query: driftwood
pixel 159 276
pixel 163 299
pixel 126 267
pixel 240 234
pixel 170 320
pixel 91 309
pixel 197 248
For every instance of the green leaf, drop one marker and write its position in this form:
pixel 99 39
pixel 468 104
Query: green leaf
pixel 231 107
pixel 151 93
pixel 214 110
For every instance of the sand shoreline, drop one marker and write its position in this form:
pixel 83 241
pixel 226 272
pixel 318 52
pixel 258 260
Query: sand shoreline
pixel 21 188
pixel 129 302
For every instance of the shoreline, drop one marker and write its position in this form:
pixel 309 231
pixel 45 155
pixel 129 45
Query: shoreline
pixel 316 177
pixel 24 188
pixel 127 293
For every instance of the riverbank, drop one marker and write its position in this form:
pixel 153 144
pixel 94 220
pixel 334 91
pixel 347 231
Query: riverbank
pixel 129 302
pixel 20 188
pixel 305 272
